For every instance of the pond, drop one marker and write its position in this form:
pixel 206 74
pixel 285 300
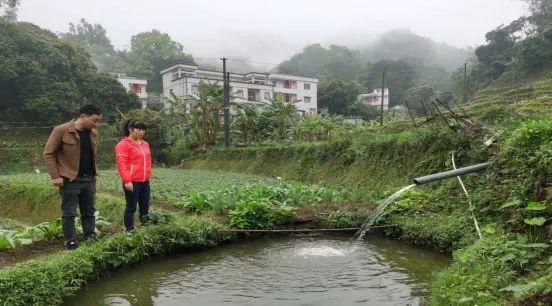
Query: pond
pixel 276 270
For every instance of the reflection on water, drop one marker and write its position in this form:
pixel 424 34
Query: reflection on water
pixel 296 270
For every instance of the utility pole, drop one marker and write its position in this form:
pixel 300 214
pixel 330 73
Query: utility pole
pixel 227 112
pixel 465 82
pixel 382 95
pixel 225 103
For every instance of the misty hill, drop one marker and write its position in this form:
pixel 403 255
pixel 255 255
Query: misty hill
pixel 402 43
pixel 345 63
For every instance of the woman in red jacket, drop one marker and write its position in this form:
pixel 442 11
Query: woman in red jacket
pixel 134 167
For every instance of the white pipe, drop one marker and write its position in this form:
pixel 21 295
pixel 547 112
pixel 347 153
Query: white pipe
pixel 469 201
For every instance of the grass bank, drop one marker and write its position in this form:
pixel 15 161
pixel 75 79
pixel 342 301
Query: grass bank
pixel 48 280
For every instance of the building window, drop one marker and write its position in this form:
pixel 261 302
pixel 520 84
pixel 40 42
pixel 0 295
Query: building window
pixel 267 95
pixel 287 84
pixel 239 93
pixel 306 99
pixel 136 88
pixel 307 86
pixel 287 97
pixel 252 94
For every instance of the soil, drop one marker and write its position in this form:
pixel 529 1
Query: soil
pixel 539 299
pixel 40 249
pixel 309 213
pixel 30 251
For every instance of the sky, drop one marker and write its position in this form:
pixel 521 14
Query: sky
pixel 267 31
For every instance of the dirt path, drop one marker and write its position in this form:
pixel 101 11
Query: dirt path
pixel 41 248
pixel 31 251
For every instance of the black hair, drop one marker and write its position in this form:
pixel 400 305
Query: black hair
pixel 89 110
pixel 131 124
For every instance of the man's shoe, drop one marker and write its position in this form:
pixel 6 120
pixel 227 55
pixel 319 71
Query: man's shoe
pixel 145 221
pixel 91 237
pixel 130 233
pixel 71 245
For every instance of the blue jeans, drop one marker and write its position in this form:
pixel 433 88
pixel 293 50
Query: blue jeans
pixel 140 195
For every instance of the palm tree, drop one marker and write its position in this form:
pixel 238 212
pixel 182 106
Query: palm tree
pixel 205 111
pixel 316 127
pixel 282 116
pixel 246 121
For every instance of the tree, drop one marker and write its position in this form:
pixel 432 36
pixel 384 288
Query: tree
pixel 316 127
pixel 278 118
pixel 307 63
pixel 418 99
pixel 433 76
pixel 337 62
pixel 205 112
pixel 342 64
pixel 105 91
pixel 246 122
pixel 93 38
pixel 150 52
pixel 541 14
pixel 497 54
pixel 399 76
pixel 43 78
pixel 477 78
pixel 8 9
pixel 534 54
pixel 160 132
pixel 336 95
pixel 365 111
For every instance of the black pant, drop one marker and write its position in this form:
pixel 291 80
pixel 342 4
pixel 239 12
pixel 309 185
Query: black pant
pixel 82 191
pixel 140 194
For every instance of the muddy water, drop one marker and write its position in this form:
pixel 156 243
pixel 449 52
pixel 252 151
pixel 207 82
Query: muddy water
pixel 281 270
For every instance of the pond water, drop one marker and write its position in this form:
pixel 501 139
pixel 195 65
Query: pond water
pixel 276 270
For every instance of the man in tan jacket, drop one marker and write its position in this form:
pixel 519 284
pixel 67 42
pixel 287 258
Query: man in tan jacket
pixel 70 157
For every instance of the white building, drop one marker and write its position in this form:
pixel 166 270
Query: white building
pixel 252 88
pixel 137 86
pixel 374 98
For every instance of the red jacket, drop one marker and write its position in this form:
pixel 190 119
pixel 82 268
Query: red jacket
pixel 133 161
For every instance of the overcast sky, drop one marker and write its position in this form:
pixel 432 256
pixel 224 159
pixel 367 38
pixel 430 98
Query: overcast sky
pixel 270 31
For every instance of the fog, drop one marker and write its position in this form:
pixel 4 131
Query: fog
pixel 267 32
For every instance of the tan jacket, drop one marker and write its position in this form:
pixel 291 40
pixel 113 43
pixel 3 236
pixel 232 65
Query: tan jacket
pixel 62 151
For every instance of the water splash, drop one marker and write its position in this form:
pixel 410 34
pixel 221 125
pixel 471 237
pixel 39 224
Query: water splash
pixel 324 251
pixel 378 211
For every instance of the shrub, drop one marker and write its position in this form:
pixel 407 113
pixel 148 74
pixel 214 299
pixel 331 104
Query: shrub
pixel 342 218
pixel 481 270
pixel 252 214
pixel 283 215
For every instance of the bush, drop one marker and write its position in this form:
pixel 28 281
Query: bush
pixel 252 214
pixel 342 219
pixel 283 215
pixel 481 270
